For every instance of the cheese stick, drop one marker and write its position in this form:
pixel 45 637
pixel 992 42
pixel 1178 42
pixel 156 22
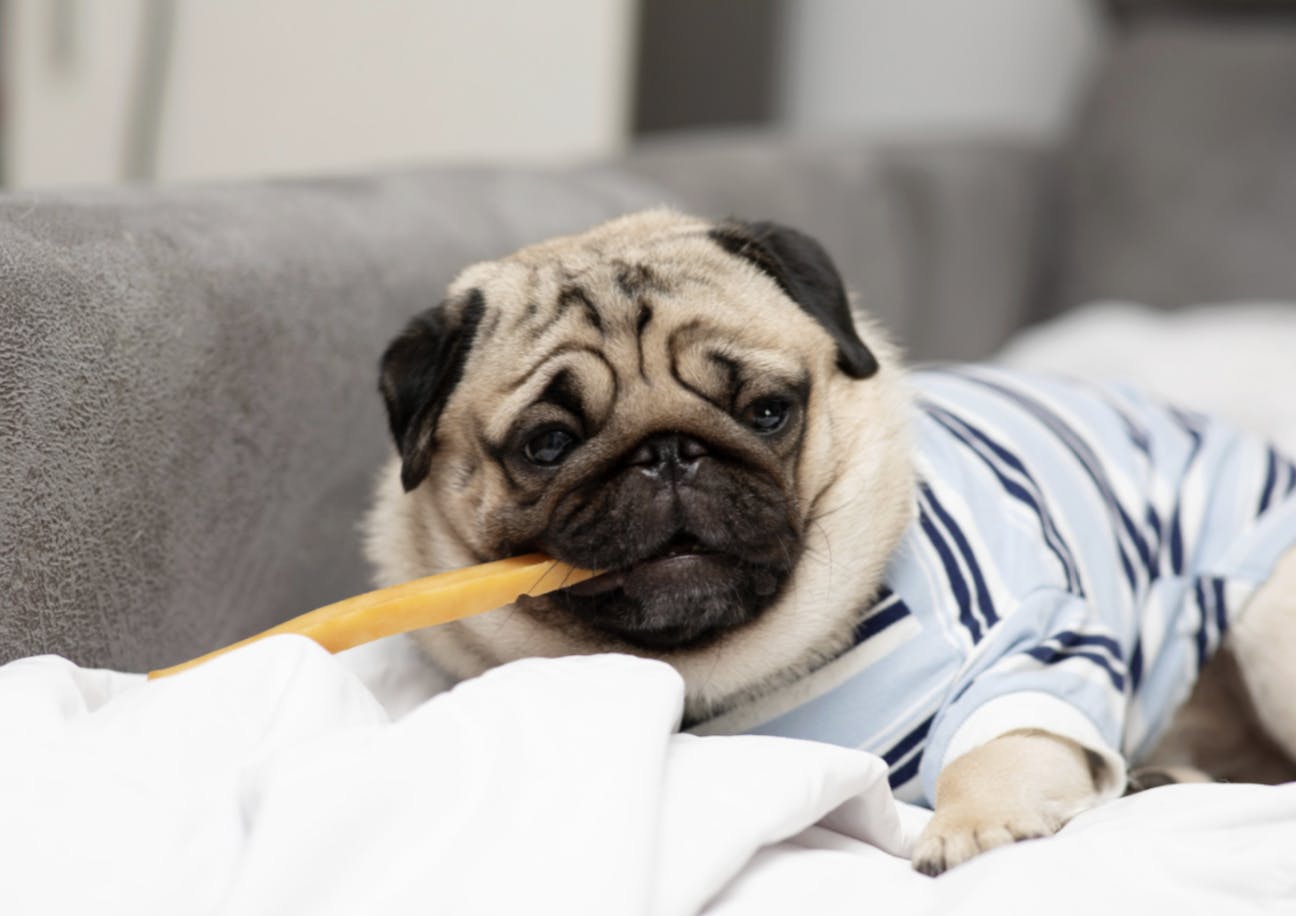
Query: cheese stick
pixel 421 603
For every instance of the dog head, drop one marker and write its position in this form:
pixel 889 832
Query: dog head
pixel 686 406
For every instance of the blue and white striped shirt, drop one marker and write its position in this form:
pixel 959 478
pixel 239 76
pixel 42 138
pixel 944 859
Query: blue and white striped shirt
pixel 1072 542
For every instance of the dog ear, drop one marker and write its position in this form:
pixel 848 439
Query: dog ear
pixel 803 270
pixel 419 372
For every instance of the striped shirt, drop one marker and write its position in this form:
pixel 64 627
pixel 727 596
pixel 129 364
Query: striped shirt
pixel 1077 554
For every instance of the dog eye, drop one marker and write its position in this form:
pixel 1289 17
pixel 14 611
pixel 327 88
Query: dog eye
pixel 767 415
pixel 549 447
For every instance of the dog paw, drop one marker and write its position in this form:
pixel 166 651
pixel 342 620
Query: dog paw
pixel 953 837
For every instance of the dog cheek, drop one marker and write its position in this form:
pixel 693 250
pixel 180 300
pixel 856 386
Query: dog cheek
pixel 509 531
pixel 489 519
pixel 761 535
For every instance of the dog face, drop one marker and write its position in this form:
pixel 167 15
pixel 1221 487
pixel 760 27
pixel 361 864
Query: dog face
pixel 685 405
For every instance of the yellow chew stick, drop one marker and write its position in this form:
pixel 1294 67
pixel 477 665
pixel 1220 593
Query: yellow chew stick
pixel 421 603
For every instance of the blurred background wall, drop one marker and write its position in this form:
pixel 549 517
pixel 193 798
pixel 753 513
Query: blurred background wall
pixel 1012 66
pixel 99 91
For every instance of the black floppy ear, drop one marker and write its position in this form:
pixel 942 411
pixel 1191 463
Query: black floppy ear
pixel 418 373
pixel 803 270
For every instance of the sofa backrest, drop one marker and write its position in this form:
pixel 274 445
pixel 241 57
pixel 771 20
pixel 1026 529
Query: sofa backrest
pixel 942 239
pixel 189 417
pixel 1178 183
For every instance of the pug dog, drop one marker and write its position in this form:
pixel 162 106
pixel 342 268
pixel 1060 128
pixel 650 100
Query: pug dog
pixel 1004 586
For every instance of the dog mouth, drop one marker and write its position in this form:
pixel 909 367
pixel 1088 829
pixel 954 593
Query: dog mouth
pixel 682 595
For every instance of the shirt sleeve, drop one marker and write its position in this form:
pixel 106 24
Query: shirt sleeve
pixel 1051 665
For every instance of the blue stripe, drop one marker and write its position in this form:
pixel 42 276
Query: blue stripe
pixel 1271 478
pixel 1127 567
pixel 1221 607
pixel 957 583
pixel 1091 466
pixel 1176 542
pixel 1189 421
pixel 909 741
pixel 898 778
pixel 1072 644
pixel 1202 637
pixel 1053 656
pixel 1070 638
pixel 1136 665
pixel 1154 524
pixel 1291 478
pixel 885 612
pixel 1083 453
pixel 969 557
pixel 978 443
pixel 1138 435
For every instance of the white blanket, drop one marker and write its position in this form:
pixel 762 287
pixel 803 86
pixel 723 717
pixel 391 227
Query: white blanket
pixel 279 779
pixel 272 781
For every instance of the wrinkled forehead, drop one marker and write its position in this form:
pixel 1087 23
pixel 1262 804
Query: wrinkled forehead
pixel 611 282
pixel 608 316
pixel 634 260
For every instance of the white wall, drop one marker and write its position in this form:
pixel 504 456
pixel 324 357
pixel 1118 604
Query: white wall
pixel 292 86
pixel 65 97
pixel 299 86
pixel 895 66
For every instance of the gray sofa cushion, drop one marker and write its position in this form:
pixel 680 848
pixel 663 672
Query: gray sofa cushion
pixel 1179 185
pixel 188 409
pixel 940 239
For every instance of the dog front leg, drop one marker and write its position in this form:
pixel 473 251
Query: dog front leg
pixel 1019 786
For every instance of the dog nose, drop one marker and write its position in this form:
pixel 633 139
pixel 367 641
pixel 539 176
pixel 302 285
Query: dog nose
pixel 668 456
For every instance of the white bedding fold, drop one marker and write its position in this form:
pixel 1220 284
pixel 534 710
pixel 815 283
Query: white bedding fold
pixel 273 781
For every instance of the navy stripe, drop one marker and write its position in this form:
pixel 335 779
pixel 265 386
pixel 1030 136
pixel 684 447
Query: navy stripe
pixel 966 433
pixel 1221 606
pixel 1153 520
pixel 1176 542
pixel 1137 434
pixel 1202 637
pixel 958 694
pixel 1154 524
pixel 1092 467
pixel 1070 638
pixel 881 616
pixel 1136 665
pixel 1083 453
pixel 908 742
pixel 957 583
pixel 1189 421
pixel 1271 478
pixel 979 443
pixel 1072 644
pixel 1291 478
pixel 1127 567
pixel 969 557
pixel 899 777
pixel 1053 656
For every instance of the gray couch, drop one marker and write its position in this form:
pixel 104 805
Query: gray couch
pixel 188 417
